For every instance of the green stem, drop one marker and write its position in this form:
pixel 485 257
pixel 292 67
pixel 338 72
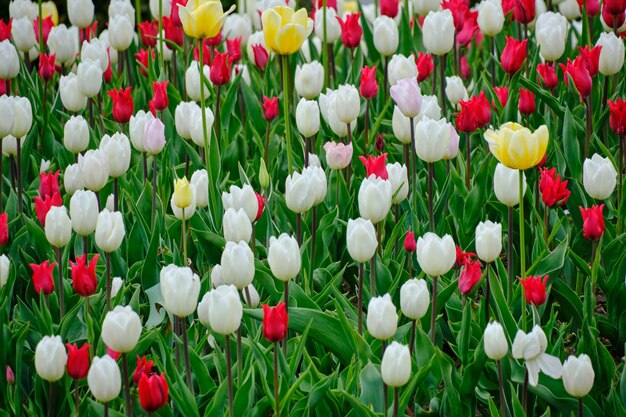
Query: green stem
pixel 161 58
pixel 184 239
pixel 285 70
pixel 325 48
pixel 521 241
pixel 276 399
pixel 41 46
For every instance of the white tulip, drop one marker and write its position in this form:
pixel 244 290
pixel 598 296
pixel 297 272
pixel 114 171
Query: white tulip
pixel 395 367
pixel 532 348
pixel 435 255
pixel 506 185
pixel 50 358
pixel 382 318
pixel 375 198
pixel 121 329
pixel 104 379
pixel 284 257
pixel 237 264
pixel 488 241
pixel 414 298
pixel 180 288
pixel 495 343
pixel 578 375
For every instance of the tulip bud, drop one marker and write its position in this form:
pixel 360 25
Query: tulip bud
pixel 578 375
pixel 180 288
pixel 396 365
pixel 76 134
pixel 58 227
pixel 401 67
pixel 299 195
pixel 488 241
pixel 414 298
pixel 431 139
pixel 50 358
pixel 593 222
pixel 264 176
pixel 375 198
pixel 216 276
pixel 116 285
pixel 89 76
pixel 63 44
pixel 495 343
pixel 104 379
pixel 435 255
pixel 275 322
pixel 338 155
pixel 611 55
pixel 407 96
pixel 77 360
pixel 347 103
pixel 490 17
pixel 22 117
pixel 284 257
pixel 109 231
pixel 308 117
pixel 236 226
pixel 9 61
pixel 333 28
pixel 195 126
pixel 121 32
pixel 386 37
pixel 80 12
pixel 94 169
pixel 116 148
pixel 243 198
pixel 399 182
pixel 506 185
pixel 71 97
pixel 401 126
pixel 223 309
pixel 23 34
pixel 551 33
pixel 183 118
pixel 183 193
pixel 319 185
pixel 121 329
pixel 192 81
pixel 200 181
pixel 438 32
pixel 237 264
pixel 95 50
pixel 328 107
pixel 361 240
pixel 255 299
pixel 599 177
pixel 382 319
pixel 7 109
pixel 455 89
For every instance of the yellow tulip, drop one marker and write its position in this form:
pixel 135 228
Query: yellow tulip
pixel 202 19
pixel 183 194
pixel 285 29
pixel 350 7
pixel 48 8
pixel 516 147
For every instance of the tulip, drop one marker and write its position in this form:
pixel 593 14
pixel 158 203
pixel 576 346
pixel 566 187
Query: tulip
pixel 347 103
pixel 285 30
pixel 369 84
pixel 223 309
pixel 578 375
pixel 401 67
pixel 50 358
pixel 376 166
pixel 48 183
pixel 490 17
pixel 351 31
pixel 527 103
pixel 488 241
pixel 298 193
pixel 23 34
pixel 506 185
pixel 414 298
pixel 307 117
pixel 236 226
pixel 80 12
pixel 244 198
pixel 122 104
pixel 63 45
pixel 43 205
pixel 382 318
pixel 94 169
pixel 551 33
pixel 270 108
pixel 89 76
pixel 180 288
pixel 309 80
pixel 611 58
pixel 535 289
pixel 121 329
pixel 192 81
pixel 579 73
pixel 475 113
pixel 386 37
pixel 202 19
pixel 5 270
pixel 361 240
pixel 319 184
pixel 42 277
pixel 22 117
pixel 237 26
pixel 431 139
pixel 109 231
pixel 438 32
pixel 7 108
pixel 200 181
pixel 195 128
pixel 47 67
pixel 338 155
pixel 72 179
pixel 599 177
pixel 71 97
pixel 154 136
pixel 120 32
pixel 275 322
pixel 395 367
pixel 9 61
pixel 284 257
pixel 333 28
pixel 84 279
pixel 159 100
pixel 407 96
pixel 470 275
pixel 328 108
pixel 455 89
pixel 104 379
pixel 76 134
pixel 237 264
pixel 524 11
pixel 137 128
pixel 116 285
pixel 516 146
pixel 532 347
pixel 149 30
pixel 182 117
pixel 401 126
pixel 553 190
pixel 77 360
pixel 375 198
pixel 494 342
pixel 513 55
pixel 95 50
pixel 593 222
pixel 435 255
pixel 58 227
pixel 547 75
pixel 399 182
pixel 116 149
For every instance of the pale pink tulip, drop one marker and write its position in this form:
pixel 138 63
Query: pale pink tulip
pixel 338 155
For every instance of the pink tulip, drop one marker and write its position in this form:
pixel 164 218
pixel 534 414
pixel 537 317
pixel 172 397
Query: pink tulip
pixel 338 155
pixel 453 144
pixel 407 95
pixel 154 136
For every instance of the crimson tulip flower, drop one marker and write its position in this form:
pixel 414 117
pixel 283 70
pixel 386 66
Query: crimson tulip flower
pixel 591 58
pixel 547 75
pixel 593 7
pixel 261 57
pixel 48 183
pixel 47 67
pixel 174 14
pixel 4 228
pixel 144 367
pixel 261 206
pixel 43 205
pixel 425 66
pixel 123 105
pixel 503 95
pixel 369 83
pixel 206 53
pixel 535 289
pixel 475 113
pixel 614 7
pixel 462 257
pixel 375 165
pixel 593 222
pixel 233 47
pixel 513 55
pixel 389 8
pixel 579 73
pixel 84 279
pixel 77 360
pixel 553 190
pixel 144 57
pixel 470 276
pixel 149 31
pixel 220 69
pixel 617 119
pixel 524 11
pixel 153 392
pixel 5 30
pixel 160 100
pixel 351 30
pixel 275 322
pixel 42 277
pixel 270 108
pixel 527 103
pixel 47 25
pixel 409 242
pixel 173 32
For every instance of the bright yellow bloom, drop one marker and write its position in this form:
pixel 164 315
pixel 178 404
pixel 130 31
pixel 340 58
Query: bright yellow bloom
pixel 516 147
pixel 48 8
pixel 183 194
pixel 350 7
pixel 285 30
pixel 203 19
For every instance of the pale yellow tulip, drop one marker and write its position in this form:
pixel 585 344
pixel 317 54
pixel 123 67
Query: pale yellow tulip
pixel 202 19
pixel 285 29
pixel 516 147
pixel 183 194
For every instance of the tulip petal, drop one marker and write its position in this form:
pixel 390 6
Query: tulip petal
pixel 550 365
pixel 290 38
pixel 533 372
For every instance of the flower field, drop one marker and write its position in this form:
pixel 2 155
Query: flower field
pixel 388 208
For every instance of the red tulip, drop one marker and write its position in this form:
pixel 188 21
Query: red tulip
pixel 617 120
pixel 261 57
pixel 275 322
pixel 351 30
pixel 270 108
pixel 261 206
pixel 379 145
pixel 173 32
pixel 220 69
pixel 375 165
pixel 463 257
pixel 613 20
pixel 593 222
pixel 466 71
pixel 389 8
pixel 174 14
pixel 591 58
pixel 215 40
pixel 113 354
pixel 470 27
pixel 4 228
pixel 547 75
pixel 5 86
pixel 160 100
pixel 108 73
pixel 535 289
pixel 89 32
pixel 84 278
pixel 144 367
pixel 469 276
pixel 122 104
pixel 527 103
pixel 331 4
pixel 593 7
pixel 5 30
pixel 153 392
pixel 513 55
pixel 77 360
pixel 206 53
pixel 553 190
pixel 459 11
pixel 614 7
pixel 425 66
pixel 42 277
pixel 234 49
pixel 475 113
pixel 47 68
pixel 524 11
pixel 47 25
pixel 503 95
pixel 144 57
pixel 149 31
pixel 409 242
pixel 48 184
pixel 579 73
pixel 369 83
pixel 43 205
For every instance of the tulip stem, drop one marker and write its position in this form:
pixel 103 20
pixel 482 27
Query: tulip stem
pixel 501 388
pixel 521 242
pixel 204 132
pixel 106 409
pixel 154 186
pixel 385 78
pixel 107 258
pixel 468 161
pixel 360 301
pixel 492 44
pixel 383 344
pixel 161 34
pixel 61 291
pixel 299 228
pixel 267 141
pixel 580 406
pixel 325 51
pixel 525 393
pixel 396 400
pixel 184 329
pixel 2 178
pixel 509 255
pixel 433 312
pixel 184 230
pixel 286 311
pixel 487 293
pixel 116 193
pixel 19 175
pixel 76 398
pixel 620 165
pixel 285 72
pixel 373 276
pixel 413 166
pixel 412 337
pixel 129 406
pixel 589 124
pixel 366 123
pixel 50 399
pixel 41 45
pixel 276 399
pixel 229 374
pixel 239 357
pixel 442 83
pixel 431 218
